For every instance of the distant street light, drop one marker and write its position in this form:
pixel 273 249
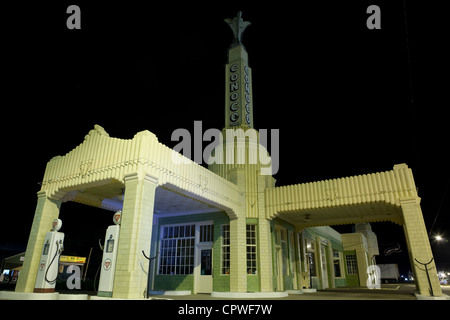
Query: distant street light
pixel 439 238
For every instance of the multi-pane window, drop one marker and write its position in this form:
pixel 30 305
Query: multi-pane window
pixel 352 267
pixel 177 250
pixel 251 249
pixel 206 233
pixel 225 249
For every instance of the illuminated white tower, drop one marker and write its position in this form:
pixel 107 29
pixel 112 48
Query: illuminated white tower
pixel 242 160
pixel 238 75
pixel 241 146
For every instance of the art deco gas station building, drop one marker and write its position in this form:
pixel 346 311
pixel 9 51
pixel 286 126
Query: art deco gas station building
pixel 228 229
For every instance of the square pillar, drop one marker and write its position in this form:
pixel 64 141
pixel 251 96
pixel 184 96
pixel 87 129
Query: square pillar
pixel 238 237
pixel 238 255
pixel 130 280
pixel 265 255
pixel 419 247
pixel 362 263
pixel 47 210
pixel 265 270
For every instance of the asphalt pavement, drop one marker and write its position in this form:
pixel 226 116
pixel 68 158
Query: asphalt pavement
pixel 387 292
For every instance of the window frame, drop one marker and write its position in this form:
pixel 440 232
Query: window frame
pixel 173 256
pixel 351 264
pixel 251 248
pixel 225 259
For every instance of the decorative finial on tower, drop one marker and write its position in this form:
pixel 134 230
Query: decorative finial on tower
pixel 238 26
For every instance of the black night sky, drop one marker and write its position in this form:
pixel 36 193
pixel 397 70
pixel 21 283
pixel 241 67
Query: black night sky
pixel 347 100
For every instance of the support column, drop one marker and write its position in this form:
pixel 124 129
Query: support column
pixel 265 255
pixel 238 239
pixel 130 280
pixel 419 247
pixel 362 263
pixel 265 270
pixel 47 210
pixel 238 254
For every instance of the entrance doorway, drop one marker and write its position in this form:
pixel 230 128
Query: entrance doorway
pixel 204 258
pixel 204 278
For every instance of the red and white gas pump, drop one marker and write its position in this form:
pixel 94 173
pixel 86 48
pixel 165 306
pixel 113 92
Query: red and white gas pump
pixel 49 262
pixel 106 284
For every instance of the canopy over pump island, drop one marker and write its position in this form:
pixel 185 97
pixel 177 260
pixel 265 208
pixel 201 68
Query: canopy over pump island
pixel 227 230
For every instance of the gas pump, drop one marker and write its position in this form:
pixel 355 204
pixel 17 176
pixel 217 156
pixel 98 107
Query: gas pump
pixel 49 262
pixel 108 266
